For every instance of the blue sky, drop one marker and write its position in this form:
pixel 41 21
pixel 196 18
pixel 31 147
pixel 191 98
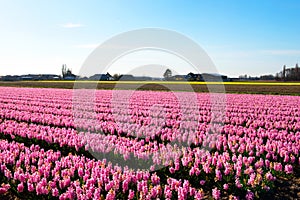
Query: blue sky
pixel 242 37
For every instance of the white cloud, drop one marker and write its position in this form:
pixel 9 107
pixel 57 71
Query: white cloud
pixel 72 25
pixel 281 52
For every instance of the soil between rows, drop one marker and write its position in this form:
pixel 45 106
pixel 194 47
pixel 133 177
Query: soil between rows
pixel 236 88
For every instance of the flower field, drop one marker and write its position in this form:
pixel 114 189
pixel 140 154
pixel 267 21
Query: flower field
pixel 149 145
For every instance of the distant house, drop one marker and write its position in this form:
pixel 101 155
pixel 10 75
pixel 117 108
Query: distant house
pixel 179 78
pixel 31 77
pixel 70 77
pixel 198 77
pixel 143 78
pixel 67 73
pixel 214 77
pixel 26 78
pixel 49 77
pixel 11 78
pixel 157 79
pixel 39 77
pixel 83 78
pixel 224 78
pixel 101 77
pixel 267 77
pixel 233 79
pixel 194 77
pixel 126 77
pixel 289 74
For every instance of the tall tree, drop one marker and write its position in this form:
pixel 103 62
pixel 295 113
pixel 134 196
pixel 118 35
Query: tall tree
pixel 283 72
pixel 64 70
pixel 116 77
pixel 168 74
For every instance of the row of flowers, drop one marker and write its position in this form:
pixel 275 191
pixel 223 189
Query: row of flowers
pixel 152 110
pixel 235 138
pixel 47 173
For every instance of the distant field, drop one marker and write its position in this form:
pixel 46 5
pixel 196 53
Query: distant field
pixel 285 88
